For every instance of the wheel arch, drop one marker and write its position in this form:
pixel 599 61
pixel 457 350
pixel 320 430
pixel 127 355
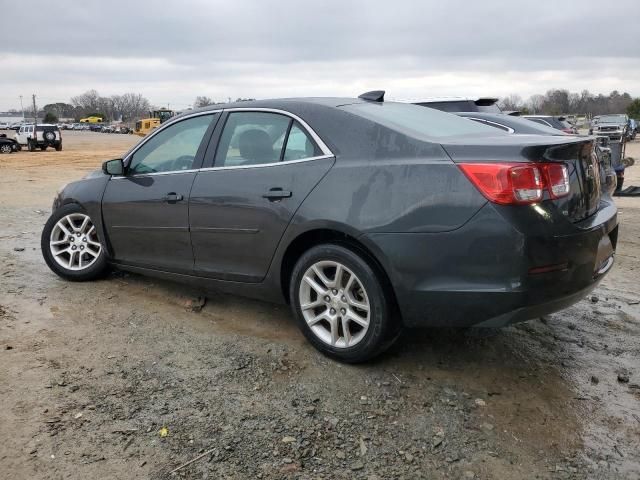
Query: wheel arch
pixel 339 236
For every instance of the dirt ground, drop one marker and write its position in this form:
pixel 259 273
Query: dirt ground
pixel 91 374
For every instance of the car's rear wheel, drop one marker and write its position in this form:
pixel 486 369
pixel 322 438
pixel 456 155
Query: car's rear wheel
pixel 43 147
pixel 340 304
pixel 71 246
pixel 31 146
pixel 58 147
pixel 5 148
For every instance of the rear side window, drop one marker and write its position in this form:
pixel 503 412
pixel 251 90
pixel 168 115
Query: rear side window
pixel 300 145
pixel 418 122
pixel 252 138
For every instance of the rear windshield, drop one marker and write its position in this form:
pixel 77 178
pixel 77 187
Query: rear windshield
pixel 47 128
pixel 418 122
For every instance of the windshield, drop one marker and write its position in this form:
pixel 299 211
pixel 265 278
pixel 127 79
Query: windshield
pixel 612 119
pixel 418 122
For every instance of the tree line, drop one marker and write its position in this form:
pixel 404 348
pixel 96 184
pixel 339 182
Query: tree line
pixel 126 107
pixel 561 101
pixel 132 106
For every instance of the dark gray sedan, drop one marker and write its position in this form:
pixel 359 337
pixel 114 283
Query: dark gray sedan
pixel 364 215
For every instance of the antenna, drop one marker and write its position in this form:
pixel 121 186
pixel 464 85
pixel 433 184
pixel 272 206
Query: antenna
pixel 373 96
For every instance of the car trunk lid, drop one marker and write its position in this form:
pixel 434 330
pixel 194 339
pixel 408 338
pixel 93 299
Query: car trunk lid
pixel 576 153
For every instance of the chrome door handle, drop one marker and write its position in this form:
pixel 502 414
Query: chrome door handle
pixel 172 197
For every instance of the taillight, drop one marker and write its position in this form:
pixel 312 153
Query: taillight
pixel 518 183
pixel 557 179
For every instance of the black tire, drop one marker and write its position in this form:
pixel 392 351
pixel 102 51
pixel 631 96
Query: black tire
pixel 43 147
pixel 59 147
pixel 6 148
pixel 383 327
pixel 94 271
pixel 31 146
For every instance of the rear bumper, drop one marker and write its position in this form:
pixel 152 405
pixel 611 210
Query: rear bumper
pixel 494 271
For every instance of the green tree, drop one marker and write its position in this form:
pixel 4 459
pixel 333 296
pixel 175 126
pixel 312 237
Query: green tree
pixel 50 118
pixel 633 110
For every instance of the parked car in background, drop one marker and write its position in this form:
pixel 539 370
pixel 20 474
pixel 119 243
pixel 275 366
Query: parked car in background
pixel 16 125
pixel 511 123
pixel 522 126
pixel 614 126
pixel 632 129
pixel 4 126
pixel 8 145
pixel 364 215
pixel 557 122
pixel 461 104
pixel 40 136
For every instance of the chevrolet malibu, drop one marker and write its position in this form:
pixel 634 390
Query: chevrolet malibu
pixel 365 216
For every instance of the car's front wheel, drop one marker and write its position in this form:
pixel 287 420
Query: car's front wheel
pixel 341 305
pixel 71 246
pixel 6 148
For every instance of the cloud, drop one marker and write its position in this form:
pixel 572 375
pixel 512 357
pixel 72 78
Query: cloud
pixel 172 52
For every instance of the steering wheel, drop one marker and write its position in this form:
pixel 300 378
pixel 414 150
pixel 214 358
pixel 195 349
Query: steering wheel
pixel 185 162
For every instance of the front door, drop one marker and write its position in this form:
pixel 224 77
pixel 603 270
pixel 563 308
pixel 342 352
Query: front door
pixel 146 211
pixel 265 166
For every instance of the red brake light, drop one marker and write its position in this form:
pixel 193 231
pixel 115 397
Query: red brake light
pixel 517 183
pixel 557 179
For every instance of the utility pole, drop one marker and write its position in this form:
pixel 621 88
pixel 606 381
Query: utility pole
pixel 35 116
pixel 22 107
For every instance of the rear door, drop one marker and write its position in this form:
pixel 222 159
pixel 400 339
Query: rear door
pixel 264 166
pixel 145 211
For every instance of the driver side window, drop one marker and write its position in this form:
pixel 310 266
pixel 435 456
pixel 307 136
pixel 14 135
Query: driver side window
pixel 173 149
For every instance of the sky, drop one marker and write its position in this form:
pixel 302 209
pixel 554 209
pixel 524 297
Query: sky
pixel 172 52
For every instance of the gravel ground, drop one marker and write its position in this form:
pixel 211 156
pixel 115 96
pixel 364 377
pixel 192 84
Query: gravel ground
pixel 129 378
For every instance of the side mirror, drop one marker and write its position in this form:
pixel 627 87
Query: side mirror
pixel 113 167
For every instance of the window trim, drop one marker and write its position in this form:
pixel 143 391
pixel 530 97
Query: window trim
pixel 326 153
pixel 129 156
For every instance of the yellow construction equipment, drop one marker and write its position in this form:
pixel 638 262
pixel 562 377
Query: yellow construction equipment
pixel 145 125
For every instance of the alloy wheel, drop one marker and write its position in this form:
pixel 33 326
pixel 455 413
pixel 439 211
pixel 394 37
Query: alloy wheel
pixel 334 304
pixel 5 148
pixel 74 242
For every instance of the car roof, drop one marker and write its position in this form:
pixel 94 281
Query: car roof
pixel 280 103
